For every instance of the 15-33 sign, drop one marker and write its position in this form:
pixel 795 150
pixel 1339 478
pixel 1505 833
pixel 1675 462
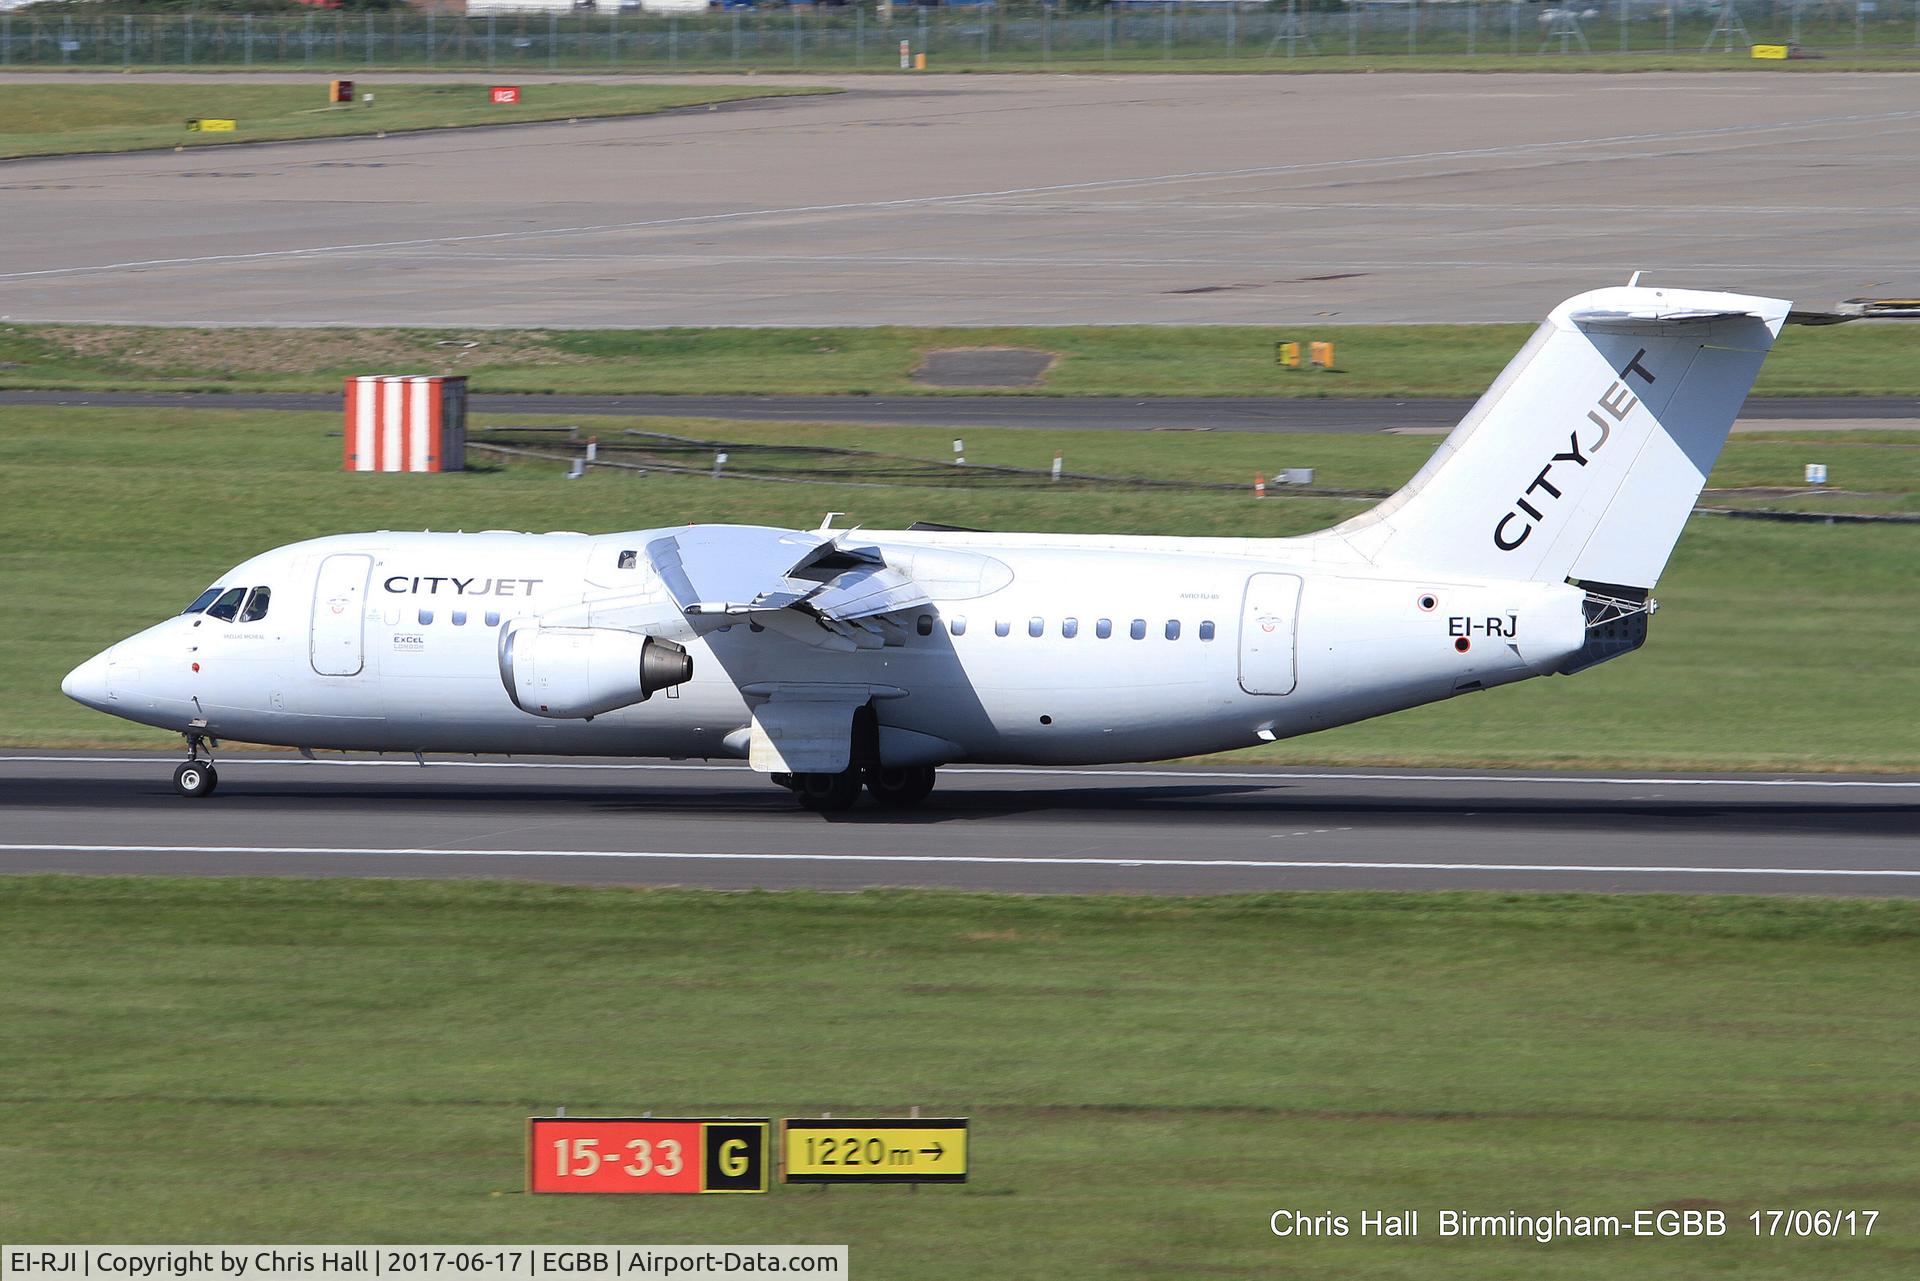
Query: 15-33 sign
pixel 874 1150
pixel 646 1154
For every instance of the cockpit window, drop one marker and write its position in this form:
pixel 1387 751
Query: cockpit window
pixel 629 560
pixel 228 605
pixel 206 598
pixel 257 605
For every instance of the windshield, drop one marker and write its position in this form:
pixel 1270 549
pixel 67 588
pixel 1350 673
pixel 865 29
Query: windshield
pixel 205 599
pixel 228 605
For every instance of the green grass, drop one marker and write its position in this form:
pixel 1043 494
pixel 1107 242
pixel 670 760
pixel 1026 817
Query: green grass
pixel 1118 360
pixel 37 120
pixel 1149 1079
pixel 1778 646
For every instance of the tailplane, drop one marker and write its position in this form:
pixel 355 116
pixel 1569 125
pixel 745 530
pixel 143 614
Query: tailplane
pixel 1584 458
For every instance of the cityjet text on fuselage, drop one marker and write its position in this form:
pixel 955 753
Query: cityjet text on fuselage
pixel 450 585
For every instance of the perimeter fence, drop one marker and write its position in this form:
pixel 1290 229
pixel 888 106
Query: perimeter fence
pixel 973 37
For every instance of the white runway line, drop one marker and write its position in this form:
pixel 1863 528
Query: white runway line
pixel 978 860
pixel 1014 771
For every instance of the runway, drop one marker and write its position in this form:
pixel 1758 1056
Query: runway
pixel 1054 413
pixel 1009 199
pixel 1149 829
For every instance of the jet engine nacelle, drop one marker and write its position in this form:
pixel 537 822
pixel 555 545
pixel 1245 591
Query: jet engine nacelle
pixel 572 672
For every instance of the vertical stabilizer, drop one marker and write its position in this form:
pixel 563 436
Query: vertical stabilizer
pixel 1586 455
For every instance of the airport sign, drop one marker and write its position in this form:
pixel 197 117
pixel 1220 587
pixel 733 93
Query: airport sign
pixel 874 1150
pixel 646 1155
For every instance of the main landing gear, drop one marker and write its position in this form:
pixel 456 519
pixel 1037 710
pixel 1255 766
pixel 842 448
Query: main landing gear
pixel 196 777
pixel 892 789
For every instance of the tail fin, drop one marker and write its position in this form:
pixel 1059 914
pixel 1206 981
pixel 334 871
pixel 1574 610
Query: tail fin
pixel 1584 458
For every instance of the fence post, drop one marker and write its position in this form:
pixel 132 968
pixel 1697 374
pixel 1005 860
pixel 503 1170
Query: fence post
pixel 1413 26
pixel 1859 27
pixel 1106 29
pixel 923 28
pixel 1046 34
pixel 1353 30
pixel 186 45
pixel 1669 28
pixel 1513 26
pixel 1166 33
pixel 736 37
pixel 6 39
pixel 1473 22
pixel 1626 7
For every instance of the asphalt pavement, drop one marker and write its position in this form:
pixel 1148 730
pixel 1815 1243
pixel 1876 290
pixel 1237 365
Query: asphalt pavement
pixel 1057 413
pixel 1147 829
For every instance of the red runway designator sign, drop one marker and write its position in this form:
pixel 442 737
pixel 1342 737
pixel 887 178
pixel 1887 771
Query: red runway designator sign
pixel 406 424
pixel 646 1155
pixel 507 94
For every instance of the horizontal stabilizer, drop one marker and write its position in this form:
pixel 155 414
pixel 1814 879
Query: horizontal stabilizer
pixel 1638 317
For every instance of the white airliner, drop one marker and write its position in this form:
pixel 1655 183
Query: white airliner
pixel 834 660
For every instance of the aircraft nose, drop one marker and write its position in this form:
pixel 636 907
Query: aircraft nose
pixel 87 683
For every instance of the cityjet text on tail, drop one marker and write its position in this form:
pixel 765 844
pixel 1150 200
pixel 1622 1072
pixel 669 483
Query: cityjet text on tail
pixel 838 662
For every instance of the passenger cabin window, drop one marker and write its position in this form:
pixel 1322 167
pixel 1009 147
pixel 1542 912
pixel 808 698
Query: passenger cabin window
pixel 1139 629
pixel 1003 628
pixel 257 605
pixel 1206 630
pixel 426 617
pixel 1069 627
pixel 1036 626
pixel 203 600
pixel 1104 628
pixel 459 618
pixel 958 625
pixel 228 605
pixel 1173 629
pixel 493 618
pixel 924 625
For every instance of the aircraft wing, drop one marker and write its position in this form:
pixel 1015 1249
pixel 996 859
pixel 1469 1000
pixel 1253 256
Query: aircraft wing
pixel 718 574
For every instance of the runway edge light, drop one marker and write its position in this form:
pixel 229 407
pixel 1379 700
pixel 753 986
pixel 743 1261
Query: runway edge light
pixel 630 1156
pixel 874 1150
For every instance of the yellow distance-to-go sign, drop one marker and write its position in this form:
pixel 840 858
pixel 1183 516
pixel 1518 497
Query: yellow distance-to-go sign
pixel 212 125
pixel 874 1150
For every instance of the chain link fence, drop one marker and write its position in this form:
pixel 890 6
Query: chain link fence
pixel 960 38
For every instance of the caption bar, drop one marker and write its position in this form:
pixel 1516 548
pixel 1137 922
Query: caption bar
pixel 359 1262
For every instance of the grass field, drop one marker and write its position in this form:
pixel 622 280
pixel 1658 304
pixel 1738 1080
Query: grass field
pixel 1149 1079
pixel 110 519
pixel 1880 359
pixel 37 119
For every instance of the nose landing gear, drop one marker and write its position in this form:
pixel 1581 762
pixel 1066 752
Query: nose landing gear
pixel 195 777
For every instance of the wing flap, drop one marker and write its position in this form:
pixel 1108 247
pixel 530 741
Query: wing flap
pixel 727 571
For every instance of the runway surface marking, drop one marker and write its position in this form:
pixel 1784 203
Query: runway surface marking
pixel 1268 776
pixel 1104 184
pixel 1576 869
